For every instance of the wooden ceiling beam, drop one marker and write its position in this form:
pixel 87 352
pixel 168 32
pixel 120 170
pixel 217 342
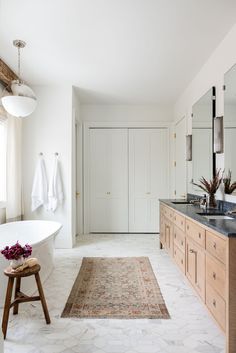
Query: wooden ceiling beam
pixel 6 74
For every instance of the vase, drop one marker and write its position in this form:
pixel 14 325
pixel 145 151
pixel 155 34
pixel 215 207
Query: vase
pixel 17 263
pixel 212 201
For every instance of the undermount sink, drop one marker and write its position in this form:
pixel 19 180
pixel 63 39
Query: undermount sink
pixel 215 216
pixel 218 217
pixel 180 202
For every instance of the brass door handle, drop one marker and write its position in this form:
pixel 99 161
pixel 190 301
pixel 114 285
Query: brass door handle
pixel 77 194
pixel 108 193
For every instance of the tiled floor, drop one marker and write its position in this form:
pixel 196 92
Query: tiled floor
pixel 190 330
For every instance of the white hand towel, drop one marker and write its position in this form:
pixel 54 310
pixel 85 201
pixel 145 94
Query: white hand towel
pixel 55 192
pixel 39 195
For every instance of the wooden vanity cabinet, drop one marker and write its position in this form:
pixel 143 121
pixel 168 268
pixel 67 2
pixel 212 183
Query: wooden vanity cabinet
pixel 208 259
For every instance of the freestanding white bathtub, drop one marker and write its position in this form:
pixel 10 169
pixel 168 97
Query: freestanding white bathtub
pixel 40 235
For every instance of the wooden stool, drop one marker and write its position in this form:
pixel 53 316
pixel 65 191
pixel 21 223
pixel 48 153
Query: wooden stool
pixel 21 297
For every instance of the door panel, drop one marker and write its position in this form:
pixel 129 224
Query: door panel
pixel 195 267
pixel 108 180
pixel 148 177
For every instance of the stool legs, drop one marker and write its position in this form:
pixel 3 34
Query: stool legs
pixel 17 289
pixel 7 306
pixel 42 298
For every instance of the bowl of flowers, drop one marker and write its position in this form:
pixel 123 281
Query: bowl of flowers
pixel 17 254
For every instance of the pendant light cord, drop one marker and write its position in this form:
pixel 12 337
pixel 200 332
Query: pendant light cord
pixel 19 63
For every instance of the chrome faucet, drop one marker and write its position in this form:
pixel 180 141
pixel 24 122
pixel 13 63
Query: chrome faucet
pixel 201 200
pixel 231 211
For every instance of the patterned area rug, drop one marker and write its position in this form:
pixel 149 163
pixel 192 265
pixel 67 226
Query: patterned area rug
pixel 119 288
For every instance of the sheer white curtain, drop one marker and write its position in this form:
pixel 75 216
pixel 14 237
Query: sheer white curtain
pixel 14 208
pixel 3 140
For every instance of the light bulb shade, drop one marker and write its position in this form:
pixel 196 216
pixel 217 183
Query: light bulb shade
pixel 22 102
pixel 218 135
pixel 189 147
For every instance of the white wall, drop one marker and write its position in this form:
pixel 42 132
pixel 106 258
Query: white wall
pixel 211 74
pixel 50 130
pixel 128 113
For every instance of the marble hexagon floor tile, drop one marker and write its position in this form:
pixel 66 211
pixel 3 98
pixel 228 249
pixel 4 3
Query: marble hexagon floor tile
pixel 190 329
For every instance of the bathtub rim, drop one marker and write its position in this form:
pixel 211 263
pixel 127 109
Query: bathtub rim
pixel 46 238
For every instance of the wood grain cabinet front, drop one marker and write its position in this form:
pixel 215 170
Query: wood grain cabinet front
pixel 179 221
pixel 215 275
pixel 195 267
pixel 166 234
pixel 169 237
pixel 196 232
pixel 216 246
pixel 179 257
pixel 179 238
pixel 216 305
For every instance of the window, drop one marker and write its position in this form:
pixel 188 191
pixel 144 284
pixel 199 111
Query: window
pixel 3 142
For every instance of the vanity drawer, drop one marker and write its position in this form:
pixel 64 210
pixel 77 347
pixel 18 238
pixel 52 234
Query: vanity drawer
pixel 216 246
pixel 179 238
pixel 179 258
pixel 216 305
pixel 215 275
pixel 179 221
pixel 196 232
pixel 168 212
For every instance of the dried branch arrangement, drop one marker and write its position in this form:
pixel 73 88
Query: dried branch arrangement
pixel 211 186
pixel 229 187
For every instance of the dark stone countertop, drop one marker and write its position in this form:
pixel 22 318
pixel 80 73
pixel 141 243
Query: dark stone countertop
pixel 226 227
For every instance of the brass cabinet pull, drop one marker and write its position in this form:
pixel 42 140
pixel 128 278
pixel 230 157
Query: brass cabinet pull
pixel 199 235
pixel 175 235
pixel 182 261
pixel 182 243
pixel 214 275
pixel 214 302
pixel 108 193
pixel 188 227
pixel 192 251
pixel 214 245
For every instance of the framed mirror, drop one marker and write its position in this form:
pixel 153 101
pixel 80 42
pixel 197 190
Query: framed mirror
pixel 230 122
pixel 203 156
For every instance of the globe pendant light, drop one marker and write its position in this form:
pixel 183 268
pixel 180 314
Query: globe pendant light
pixel 22 102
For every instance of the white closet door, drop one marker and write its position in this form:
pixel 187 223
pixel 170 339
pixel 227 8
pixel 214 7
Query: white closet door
pixel 148 177
pixel 108 180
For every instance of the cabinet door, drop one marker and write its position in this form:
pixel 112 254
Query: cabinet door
pixel 148 177
pixel 195 267
pixel 162 229
pixel 190 262
pixel 108 180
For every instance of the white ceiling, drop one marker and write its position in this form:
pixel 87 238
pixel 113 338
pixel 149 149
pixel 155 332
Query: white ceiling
pixel 115 51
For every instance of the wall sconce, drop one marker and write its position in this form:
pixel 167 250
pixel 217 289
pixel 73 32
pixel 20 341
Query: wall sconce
pixel 188 147
pixel 218 135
